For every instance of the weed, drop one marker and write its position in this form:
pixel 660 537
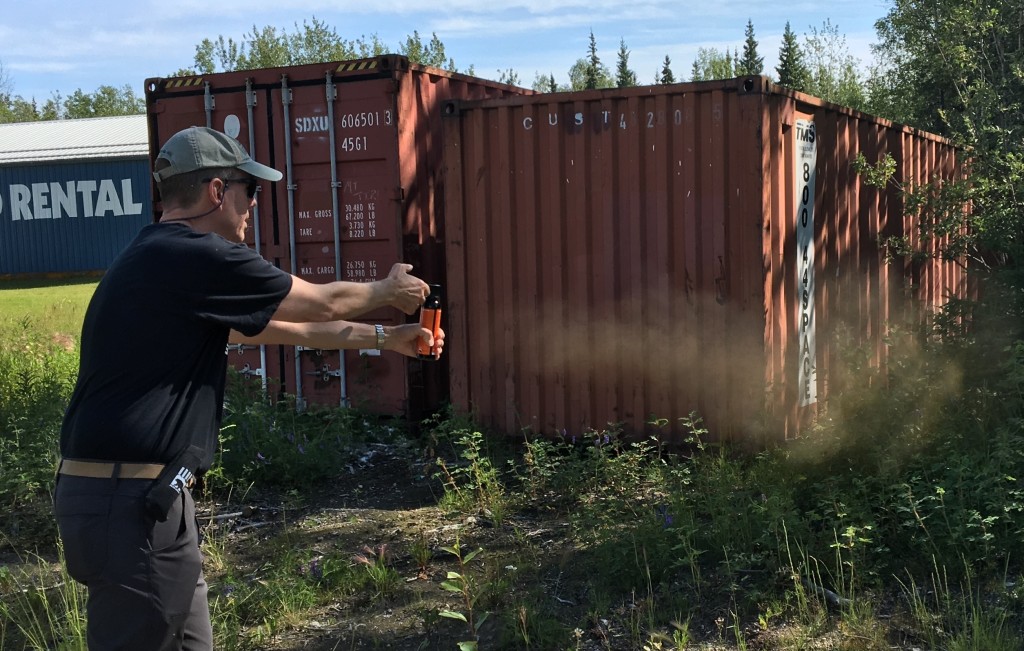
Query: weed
pixel 47 608
pixel 421 553
pixel 956 618
pixel 475 485
pixel 531 626
pixel 463 584
pixel 384 578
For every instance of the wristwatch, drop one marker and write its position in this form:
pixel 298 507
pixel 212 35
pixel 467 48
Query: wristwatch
pixel 380 335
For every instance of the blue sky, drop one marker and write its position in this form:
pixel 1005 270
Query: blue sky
pixel 48 46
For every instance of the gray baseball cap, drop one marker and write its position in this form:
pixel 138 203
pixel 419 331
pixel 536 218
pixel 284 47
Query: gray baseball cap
pixel 197 148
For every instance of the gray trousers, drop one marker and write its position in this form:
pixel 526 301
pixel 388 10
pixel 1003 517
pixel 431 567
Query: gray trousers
pixel 146 590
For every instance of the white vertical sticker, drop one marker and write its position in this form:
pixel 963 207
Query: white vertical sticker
pixel 806 159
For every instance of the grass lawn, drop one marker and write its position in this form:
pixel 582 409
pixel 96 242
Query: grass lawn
pixel 57 304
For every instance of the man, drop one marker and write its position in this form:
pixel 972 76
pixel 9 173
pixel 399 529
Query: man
pixel 145 413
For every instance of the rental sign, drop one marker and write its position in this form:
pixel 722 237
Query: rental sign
pixel 69 199
pixel 71 216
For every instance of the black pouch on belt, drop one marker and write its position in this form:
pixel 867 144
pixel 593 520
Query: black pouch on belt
pixel 168 486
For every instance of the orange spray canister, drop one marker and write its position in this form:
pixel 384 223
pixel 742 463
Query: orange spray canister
pixel 430 318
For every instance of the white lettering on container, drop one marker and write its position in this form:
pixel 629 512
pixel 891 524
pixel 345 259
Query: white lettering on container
pixel 314 124
pixel 605 118
pixel 361 270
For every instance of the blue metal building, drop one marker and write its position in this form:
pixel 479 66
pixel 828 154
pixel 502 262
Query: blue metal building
pixel 73 193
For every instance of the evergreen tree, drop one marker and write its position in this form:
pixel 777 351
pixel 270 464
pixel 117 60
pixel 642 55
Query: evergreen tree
pixel 578 76
pixel 540 82
pixel 624 77
pixel 751 63
pixel 792 71
pixel 591 77
pixel 666 76
pixel 545 83
pixel 589 73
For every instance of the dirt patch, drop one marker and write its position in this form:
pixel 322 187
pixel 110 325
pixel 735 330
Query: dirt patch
pixel 393 501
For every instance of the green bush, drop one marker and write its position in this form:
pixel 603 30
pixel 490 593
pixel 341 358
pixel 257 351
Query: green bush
pixel 37 375
pixel 272 444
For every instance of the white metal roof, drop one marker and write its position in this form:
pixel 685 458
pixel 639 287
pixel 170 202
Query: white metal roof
pixel 70 140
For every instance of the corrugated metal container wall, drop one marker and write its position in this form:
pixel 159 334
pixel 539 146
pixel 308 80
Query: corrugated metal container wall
pixel 69 217
pixel 626 255
pixel 360 145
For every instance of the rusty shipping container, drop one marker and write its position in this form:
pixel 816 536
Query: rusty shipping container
pixel 626 255
pixel 359 143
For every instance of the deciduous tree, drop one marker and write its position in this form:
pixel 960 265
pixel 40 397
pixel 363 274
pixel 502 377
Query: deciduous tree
pixel 956 67
pixel 508 76
pixel 545 83
pixel 712 64
pixel 14 108
pixel 834 72
pixel 431 54
pixel 312 42
pixel 105 102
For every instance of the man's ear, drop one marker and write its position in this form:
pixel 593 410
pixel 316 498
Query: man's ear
pixel 215 191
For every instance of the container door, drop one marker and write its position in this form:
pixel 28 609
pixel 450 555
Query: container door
pixel 339 212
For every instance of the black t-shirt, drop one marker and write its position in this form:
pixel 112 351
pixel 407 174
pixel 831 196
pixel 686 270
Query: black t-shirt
pixel 154 344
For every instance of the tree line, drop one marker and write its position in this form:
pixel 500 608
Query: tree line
pixel 951 67
pixel 822 66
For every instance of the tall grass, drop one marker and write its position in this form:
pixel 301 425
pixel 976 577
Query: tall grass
pixel 897 522
pixel 41 608
pixel 40 324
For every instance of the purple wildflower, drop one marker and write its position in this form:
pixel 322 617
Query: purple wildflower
pixel 666 517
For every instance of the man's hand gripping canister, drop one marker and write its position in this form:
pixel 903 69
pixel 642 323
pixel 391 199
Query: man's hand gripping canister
pixel 430 318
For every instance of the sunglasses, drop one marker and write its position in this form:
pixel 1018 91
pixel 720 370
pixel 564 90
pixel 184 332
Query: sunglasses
pixel 251 184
